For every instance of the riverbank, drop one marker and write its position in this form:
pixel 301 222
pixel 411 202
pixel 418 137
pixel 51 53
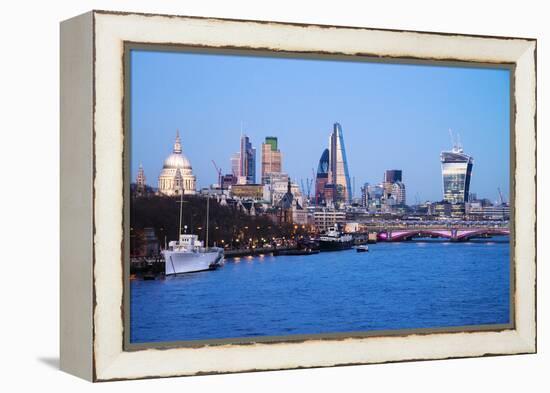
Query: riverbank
pixel 245 252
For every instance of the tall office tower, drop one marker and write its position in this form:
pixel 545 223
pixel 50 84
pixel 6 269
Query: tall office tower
pixel 248 162
pixel 393 175
pixel 271 158
pixel 338 174
pixel 271 140
pixel 365 195
pixel 399 193
pixel 456 170
pixel 236 164
pixel 322 178
pixel 394 187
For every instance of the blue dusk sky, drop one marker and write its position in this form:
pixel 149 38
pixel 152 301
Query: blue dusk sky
pixel 393 116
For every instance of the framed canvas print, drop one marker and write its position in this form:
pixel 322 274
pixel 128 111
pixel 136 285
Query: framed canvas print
pixel 247 195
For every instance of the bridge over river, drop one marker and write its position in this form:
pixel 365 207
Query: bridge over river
pixel 452 234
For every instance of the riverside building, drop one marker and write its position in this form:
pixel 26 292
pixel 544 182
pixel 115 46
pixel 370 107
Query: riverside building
pixel 247 191
pixel 477 210
pixel 325 219
pixel 289 209
pixel 277 189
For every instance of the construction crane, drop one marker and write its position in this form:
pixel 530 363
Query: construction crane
pixel 313 177
pixel 458 141
pixel 307 188
pixel 500 196
pixel 219 173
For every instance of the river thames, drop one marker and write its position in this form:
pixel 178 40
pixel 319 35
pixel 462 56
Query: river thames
pixel 405 285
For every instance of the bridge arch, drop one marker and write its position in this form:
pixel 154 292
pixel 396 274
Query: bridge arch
pixel 467 234
pixel 401 235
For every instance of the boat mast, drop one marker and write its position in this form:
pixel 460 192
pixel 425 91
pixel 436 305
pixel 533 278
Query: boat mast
pixel 207 218
pixel 181 212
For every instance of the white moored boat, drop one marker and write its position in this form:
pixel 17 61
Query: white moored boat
pixel 189 255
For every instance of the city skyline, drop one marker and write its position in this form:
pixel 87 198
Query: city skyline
pixel 371 147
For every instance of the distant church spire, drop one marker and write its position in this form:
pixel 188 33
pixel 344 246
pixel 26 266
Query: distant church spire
pixel 177 144
pixel 140 179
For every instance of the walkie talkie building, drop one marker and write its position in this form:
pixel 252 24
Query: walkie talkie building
pixel 456 169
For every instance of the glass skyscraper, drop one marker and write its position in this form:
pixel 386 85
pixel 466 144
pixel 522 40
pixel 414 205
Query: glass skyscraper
pixel 393 175
pixel 321 178
pixel 338 174
pixel 248 161
pixel 456 170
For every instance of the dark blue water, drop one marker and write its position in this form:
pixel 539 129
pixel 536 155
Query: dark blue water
pixel 394 286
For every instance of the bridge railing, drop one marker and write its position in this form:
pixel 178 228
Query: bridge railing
pixel 429 227
pixel 462 234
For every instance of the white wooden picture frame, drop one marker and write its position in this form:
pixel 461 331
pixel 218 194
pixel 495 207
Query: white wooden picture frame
pixel 92 194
